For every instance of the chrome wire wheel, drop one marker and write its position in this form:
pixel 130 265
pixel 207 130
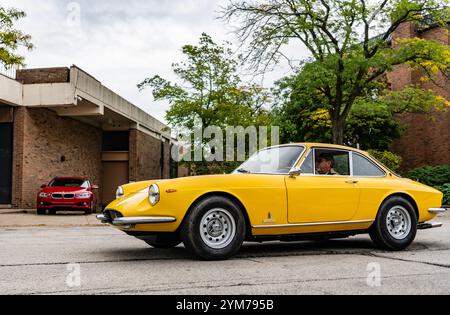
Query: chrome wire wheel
pixel 217 228
pixel 398 222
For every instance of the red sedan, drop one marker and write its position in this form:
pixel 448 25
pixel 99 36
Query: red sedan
pixel 67 193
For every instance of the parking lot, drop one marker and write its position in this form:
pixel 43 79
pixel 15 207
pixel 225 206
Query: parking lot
pixel 72 254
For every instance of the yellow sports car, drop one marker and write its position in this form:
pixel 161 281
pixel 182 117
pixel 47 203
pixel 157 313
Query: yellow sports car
pixel 287 192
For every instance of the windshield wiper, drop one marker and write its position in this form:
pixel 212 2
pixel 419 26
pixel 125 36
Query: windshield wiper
pixel 241 170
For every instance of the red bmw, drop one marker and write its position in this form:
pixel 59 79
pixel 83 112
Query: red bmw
pixel 67 193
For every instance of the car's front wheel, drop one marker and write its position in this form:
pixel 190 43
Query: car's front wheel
pixel 396 225
pixel 214 228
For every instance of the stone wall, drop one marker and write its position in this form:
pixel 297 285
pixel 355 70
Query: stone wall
pixel 44 75
pixel 145 157
pixel 45 146
pixel 427 138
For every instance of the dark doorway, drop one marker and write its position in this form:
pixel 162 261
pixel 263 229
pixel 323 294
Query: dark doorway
pixel 6 146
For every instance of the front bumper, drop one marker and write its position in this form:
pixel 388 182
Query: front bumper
pixel 131 221
pixel 437 210
pixel 79 204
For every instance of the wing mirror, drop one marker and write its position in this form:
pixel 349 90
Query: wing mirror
pixel 94 186
pixel 43 186
pixel 294 172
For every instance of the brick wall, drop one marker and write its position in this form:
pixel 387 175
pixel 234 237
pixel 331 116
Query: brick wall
pixel 44 75
pixel 427 138
pixel 145 157
pixel 45 146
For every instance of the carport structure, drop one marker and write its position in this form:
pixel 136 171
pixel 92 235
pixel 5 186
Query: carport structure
pixel 64 122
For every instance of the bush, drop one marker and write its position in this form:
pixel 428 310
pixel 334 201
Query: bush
pixel 389 159
pixel 435 176
pixel 446 190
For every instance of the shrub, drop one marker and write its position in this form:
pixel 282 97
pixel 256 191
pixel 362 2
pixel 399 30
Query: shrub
pixel 446 190
pixel 388 158
pixel 435 176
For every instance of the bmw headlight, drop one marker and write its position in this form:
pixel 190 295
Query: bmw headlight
pixel 119 192
pixel 153 194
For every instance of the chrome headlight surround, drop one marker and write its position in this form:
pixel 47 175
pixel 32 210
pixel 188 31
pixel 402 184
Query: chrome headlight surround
pixel 119 192
pixel 153 194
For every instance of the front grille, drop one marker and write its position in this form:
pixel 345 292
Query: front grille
pixel 62 195
pixel 112 214
pixel 57 196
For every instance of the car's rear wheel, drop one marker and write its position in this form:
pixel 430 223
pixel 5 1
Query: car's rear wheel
pixel 214 229
pixel 52 212
pixel 164 241
pixel 396 225
pixel 41 211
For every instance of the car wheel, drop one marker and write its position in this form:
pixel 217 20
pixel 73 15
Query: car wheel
pixel 91 209
pixel 396 225
pixel 214 229
pixel 52 212
pixel 164 241
pixel 41 211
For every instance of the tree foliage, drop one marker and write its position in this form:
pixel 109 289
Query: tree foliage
pixel 11 38
pixel 209 89
pixel 349 44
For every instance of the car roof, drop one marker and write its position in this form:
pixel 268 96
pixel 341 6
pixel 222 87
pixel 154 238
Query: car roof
pixel 70 177
pixel 322 145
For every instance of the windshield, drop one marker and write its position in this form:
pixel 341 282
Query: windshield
pixel 70 182
pixel 272 160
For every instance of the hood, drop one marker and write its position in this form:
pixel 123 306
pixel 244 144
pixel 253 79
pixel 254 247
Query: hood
pixel 64 189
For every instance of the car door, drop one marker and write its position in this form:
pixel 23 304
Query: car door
pixel 314 197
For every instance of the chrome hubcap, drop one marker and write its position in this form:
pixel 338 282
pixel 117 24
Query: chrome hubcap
pixel 398 222
pixel 217 228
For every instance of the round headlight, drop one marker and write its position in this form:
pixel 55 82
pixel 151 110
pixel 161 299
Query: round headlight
pixel 153 194
pixel 119 192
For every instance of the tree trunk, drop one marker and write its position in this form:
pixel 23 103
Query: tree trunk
pixel 338 127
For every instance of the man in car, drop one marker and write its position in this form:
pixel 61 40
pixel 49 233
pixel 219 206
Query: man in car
pixel 325 164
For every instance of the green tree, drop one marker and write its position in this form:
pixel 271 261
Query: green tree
pixel 210 89
pixel 11 38
pixel 348 42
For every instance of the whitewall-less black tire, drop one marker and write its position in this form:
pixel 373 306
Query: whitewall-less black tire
pixel 395 227
pixel 214 228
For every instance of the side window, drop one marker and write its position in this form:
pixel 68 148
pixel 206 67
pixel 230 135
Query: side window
pixel 364 167
pixel 331 162
pixel 307 166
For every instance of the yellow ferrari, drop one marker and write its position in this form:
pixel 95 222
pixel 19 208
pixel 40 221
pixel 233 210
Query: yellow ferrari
pixel 287 192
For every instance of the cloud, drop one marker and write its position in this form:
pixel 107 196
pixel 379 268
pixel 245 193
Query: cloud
pixel 121 42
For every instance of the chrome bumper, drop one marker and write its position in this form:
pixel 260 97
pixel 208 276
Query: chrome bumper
pixel 126 221
pixel 425 226
pixel 437 210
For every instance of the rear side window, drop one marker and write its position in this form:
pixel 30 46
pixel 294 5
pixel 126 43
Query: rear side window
pixel 363 167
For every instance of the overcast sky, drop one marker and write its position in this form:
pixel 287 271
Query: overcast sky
pixel 122 42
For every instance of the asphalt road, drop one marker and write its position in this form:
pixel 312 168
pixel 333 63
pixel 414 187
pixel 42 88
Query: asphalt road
pixel 101 260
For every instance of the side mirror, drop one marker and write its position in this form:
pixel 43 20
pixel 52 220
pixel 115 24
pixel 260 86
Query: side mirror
pixel 94 186
pixel 294 172
pixel 43 186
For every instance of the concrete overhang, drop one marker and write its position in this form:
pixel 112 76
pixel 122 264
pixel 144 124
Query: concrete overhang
pixel 82 97
pixel 10 91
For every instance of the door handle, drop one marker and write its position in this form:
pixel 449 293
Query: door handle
pixel 351 181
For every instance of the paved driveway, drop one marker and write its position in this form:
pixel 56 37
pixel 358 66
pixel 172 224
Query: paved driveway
pixel 59 257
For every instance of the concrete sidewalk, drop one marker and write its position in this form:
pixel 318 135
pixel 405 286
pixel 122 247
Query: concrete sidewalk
pixel 29 218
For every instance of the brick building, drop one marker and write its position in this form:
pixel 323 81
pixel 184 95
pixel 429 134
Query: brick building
pixel 427 138
pixel 64 122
